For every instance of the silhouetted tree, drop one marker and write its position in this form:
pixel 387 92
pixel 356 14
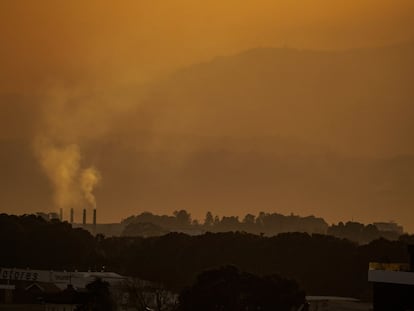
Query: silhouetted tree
pixel 231 290
pixel 249 219
pixel 317 261
pixel 209 220
pixel 229 223
pixel 99 297
pixel 144 296
pixel 183 217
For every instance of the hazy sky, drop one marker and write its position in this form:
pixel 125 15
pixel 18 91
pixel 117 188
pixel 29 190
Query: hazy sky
pixel 93 93
pixel 124 41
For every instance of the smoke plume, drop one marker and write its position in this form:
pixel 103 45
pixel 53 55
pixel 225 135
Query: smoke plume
pixel 61 164
pixel 63 127
pixel 89 178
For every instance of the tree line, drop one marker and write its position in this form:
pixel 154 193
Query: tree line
pixel 321 264
pixel 269 224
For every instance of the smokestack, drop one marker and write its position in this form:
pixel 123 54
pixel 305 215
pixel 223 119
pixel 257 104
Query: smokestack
pixel 84 216
pixel 94 216
pixel 61 214
pixel 71 215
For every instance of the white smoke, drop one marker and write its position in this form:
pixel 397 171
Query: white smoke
pixel 66 123
pixel 89 178
pixel 62 165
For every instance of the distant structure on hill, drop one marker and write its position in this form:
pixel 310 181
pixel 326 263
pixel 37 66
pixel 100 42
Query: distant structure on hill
pixel 111 229
pixel 389 227
pixel 48 216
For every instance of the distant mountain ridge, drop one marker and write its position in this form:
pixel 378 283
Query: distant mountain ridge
pixel 283 130
pixel 360 101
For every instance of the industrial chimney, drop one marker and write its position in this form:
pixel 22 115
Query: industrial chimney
pixel 84 216
pixel 94 217
pixel 71 215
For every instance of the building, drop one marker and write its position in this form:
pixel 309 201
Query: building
pixel 389 227
pixel 330 303
pixel 24 289
pixel 393 284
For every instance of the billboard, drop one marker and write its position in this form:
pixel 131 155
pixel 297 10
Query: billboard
pixel 59 278
pixel 24 275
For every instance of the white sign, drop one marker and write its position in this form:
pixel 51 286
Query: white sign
pixel 24 275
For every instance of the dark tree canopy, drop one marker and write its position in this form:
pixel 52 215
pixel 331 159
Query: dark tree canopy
pixel 143 229
pixel 229 289
pixel 99 297
pixel 268 224
pixel 31 241
pixel 321 264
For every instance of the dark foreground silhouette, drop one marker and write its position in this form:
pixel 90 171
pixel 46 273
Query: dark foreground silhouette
pixel 321 264
pixel 229 289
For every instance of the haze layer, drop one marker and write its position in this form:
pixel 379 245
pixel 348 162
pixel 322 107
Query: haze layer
pixel 308 109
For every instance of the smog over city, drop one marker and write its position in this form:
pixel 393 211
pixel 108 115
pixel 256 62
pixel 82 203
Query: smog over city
pixel 181 146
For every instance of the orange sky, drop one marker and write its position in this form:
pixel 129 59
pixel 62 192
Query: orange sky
pixel 135 40
pixel 97 80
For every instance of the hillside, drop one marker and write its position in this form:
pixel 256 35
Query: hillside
pixel 284 130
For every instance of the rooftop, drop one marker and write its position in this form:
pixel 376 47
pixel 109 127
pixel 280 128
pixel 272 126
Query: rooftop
pixel 395 273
